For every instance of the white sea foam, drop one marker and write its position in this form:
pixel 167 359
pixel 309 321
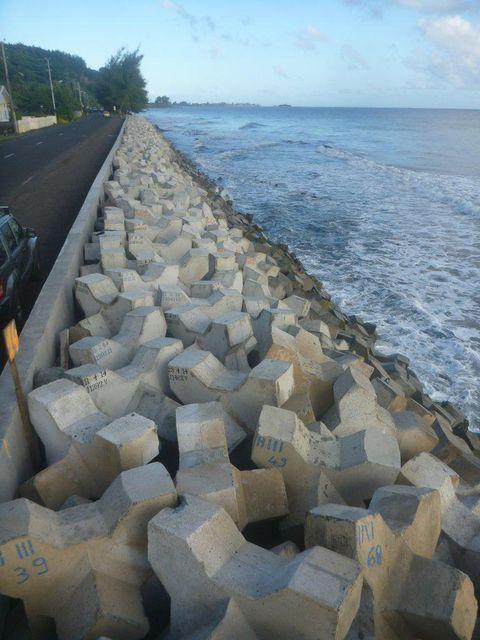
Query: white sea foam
pixel 396 243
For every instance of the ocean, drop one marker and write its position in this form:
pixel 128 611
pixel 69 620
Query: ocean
pixel 382 205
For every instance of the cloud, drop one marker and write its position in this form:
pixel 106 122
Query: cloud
pixel 280 71
pixel 308 38
pixel 372 7
pixel 353 59
pixel 453 53
pixel 198 25
pixel 375 7
pixel 181 11
pixel 439 6
pixel 215 52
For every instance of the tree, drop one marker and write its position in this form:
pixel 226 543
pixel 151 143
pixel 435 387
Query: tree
pixel 30 82
pixel 121 84
pixel 163 101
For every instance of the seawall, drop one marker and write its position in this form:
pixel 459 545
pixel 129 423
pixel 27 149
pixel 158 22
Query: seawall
pixel 53 311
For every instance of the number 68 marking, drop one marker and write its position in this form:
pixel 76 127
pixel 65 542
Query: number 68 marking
pixel 375 556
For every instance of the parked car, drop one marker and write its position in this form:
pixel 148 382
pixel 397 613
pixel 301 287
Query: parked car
pixel 18 264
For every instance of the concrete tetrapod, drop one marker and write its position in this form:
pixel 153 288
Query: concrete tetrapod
pixel 314 373
pixel 83 566
pixel 138 326
pixel 89 468
pixel 410 595
pixel 228 623
pixel 119 392
pixel 459 504
pixel 62 412
pixel 205 470
pixel 314 595
pixel 318 467
pixel 197 376
pixel 356 407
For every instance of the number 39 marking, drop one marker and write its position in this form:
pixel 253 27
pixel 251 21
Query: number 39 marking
pixel 38 563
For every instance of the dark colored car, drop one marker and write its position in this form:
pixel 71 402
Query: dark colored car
pixel 18 264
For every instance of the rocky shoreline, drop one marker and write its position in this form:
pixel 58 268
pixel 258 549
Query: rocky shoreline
pixel 452 413
pixel 226 454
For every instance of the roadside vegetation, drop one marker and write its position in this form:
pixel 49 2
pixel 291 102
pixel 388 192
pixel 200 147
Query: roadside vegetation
pixel 76 87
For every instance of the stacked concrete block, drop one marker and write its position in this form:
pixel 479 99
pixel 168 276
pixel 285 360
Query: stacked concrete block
pixel 356 407
pixel 460 513
pixel 314 372
pixel 318 467
pixel 62 412
pixel 230 339
pixel 197 376
pixel 88 468
pixel 205 470
pixel 314 595
pixel 83 566
pixel 256 350
pixel 394 540
pixel 116 393
pixel 138 326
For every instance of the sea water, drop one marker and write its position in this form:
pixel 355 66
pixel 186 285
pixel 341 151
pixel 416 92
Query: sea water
pixel 382 205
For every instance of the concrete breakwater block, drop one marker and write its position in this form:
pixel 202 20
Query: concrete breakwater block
pixel 205 470
pixel 411 594
pixel 61 412
pixel 314 595
pixel 460 508
pixel 138 326
pixel 319 467
pixel 116 393
pixel 197 376
pixel 83 566
pixel 230 339
pixel 89 468
pixel 200 340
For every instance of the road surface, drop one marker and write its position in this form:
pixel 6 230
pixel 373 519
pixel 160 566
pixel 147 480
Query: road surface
pixel 45 176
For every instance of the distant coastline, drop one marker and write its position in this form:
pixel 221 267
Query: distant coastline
pixel 155 105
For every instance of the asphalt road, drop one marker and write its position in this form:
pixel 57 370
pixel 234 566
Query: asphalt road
pixel 45 176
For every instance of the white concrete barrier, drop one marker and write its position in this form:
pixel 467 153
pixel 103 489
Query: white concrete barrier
pixel 29 123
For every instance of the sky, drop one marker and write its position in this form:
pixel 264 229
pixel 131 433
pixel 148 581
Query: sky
pixel 365 53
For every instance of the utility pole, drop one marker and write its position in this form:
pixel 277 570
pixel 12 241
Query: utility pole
pixel 9 90
pixel 51 87
pixel 79 95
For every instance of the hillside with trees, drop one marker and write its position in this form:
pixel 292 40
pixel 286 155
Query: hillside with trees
pixel 120 83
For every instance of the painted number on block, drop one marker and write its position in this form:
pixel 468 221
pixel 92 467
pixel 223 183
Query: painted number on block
pixel 272 444
pixel 278 462
pixel 375 556
pixel 178 374
pixel 366 532
pixel 35 566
